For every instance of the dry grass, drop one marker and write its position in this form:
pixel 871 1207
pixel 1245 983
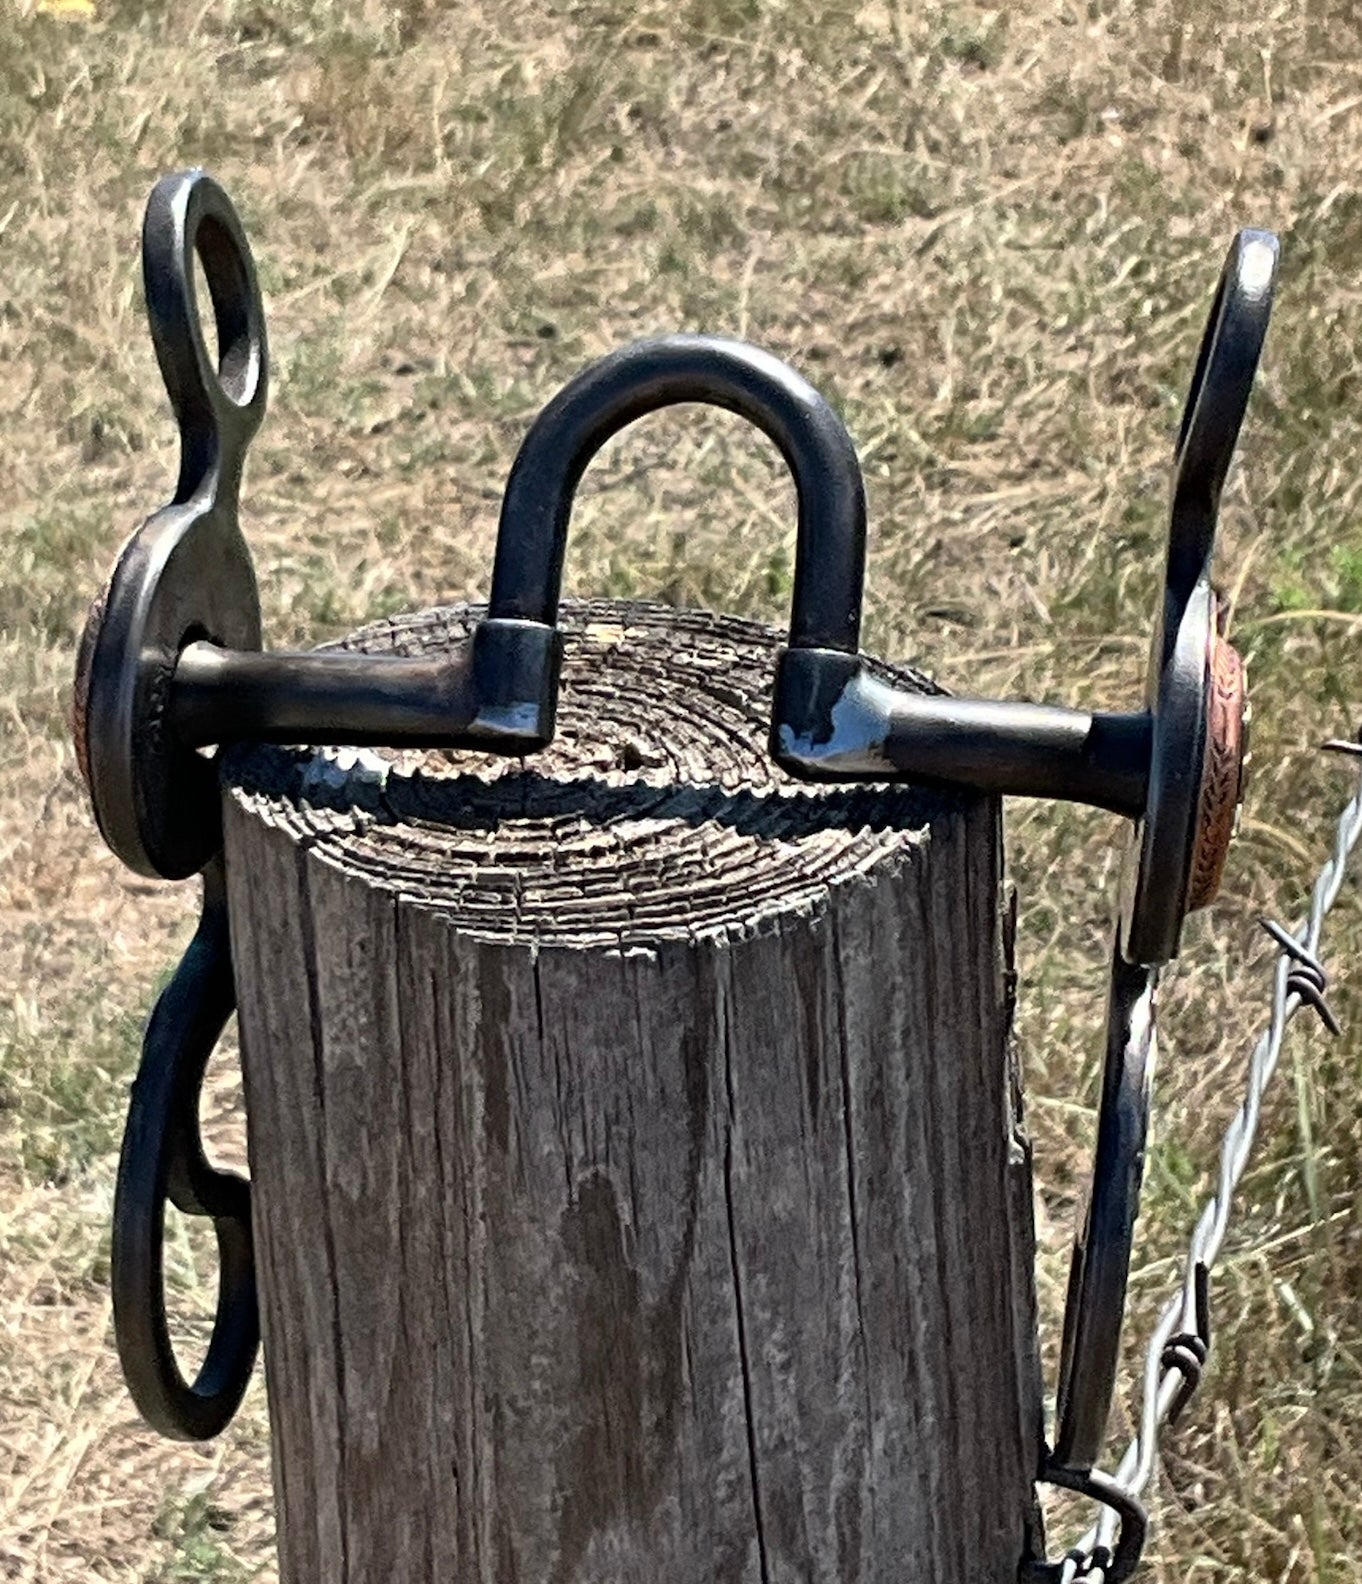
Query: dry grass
pixel 990 236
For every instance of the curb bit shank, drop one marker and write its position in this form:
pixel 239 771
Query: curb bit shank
pixel 170 663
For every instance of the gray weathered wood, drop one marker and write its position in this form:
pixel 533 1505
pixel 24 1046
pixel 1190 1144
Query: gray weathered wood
pixel 640 1189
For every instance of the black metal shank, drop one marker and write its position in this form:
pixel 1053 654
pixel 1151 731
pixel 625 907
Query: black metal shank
pixel 163 1161
pixel 169 662
pixel 832 720
pixel 1100 1267
pixel 1163 849
pixel 1156 897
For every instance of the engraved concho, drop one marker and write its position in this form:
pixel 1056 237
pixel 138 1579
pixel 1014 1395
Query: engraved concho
pixel 1223 771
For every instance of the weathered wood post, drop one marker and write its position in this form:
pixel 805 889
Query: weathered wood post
pixel 640 1192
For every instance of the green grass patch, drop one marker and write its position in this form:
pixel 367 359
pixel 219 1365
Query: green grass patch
pixel 199 1532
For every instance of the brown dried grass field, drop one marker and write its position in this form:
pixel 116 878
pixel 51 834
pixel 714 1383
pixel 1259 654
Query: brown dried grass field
pixel 991 237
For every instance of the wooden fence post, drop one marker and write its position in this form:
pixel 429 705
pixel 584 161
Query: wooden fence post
pixel 640 1191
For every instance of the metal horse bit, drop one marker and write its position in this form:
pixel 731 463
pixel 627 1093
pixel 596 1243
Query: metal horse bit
pixel 170 662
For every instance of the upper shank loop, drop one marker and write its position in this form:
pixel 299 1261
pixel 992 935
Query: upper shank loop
pixel 218 402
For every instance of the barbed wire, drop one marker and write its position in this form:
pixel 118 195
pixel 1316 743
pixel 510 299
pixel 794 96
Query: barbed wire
pixel 1180 1342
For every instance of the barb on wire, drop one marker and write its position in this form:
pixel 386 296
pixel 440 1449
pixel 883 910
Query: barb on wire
pixel 1307 979
pixel 1181 1340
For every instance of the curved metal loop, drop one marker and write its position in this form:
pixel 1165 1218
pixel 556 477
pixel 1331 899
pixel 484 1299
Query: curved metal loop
pixel 163 1161
pixel 1227 362
pixel 218 401
pixel 639 379
pixel 1098 1274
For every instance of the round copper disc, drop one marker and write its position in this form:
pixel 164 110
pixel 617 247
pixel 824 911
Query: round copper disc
pixel 1222 773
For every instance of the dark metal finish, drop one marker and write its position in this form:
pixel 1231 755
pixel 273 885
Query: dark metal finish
pixel 1101 1258
pixel 852 726
pixel 1157 901
pixel 1306 979
pixel 833 720
pixel 639 379
pixel 497 692
pixel 163 1161
pixel 1186 1351
pixel 1222 382
pixel 1112 1565
pixel 1227 361
pixel 169 661
pixel 1179 1343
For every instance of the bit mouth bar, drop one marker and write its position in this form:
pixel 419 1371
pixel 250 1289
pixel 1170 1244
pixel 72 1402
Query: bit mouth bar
pixel 496 690
pixel 836 721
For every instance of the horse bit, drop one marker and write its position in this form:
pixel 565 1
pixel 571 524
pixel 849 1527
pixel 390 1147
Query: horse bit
pixel 171 662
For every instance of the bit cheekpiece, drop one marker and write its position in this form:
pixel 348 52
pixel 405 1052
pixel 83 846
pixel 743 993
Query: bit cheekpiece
pixel 171 663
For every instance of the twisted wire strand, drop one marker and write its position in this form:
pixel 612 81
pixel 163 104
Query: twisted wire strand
pixel 1180 1341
